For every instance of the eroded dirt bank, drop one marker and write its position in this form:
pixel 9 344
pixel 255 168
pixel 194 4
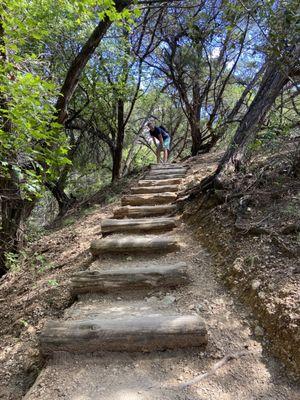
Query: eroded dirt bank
pixel 251 226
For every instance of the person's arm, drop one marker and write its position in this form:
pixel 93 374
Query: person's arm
pixel 160 136
pixel 161 140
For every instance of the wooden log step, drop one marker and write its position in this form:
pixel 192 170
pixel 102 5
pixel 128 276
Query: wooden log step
pixel 127 333
pixel 160 182
pixel 133 278
pixel 134 244
pixel 150 177
pixel 148 199
pixel 167 171
pixel 154 189
pixel 137 225
pixel 144 211
pixel 167 166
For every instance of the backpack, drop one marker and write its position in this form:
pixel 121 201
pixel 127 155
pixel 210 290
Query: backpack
pixel 164 129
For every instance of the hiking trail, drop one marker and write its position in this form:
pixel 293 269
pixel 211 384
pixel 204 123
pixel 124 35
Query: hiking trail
pixel 151 316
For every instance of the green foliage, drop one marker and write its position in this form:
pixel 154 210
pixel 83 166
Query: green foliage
pixel 12 261
pixel 53 282
pixel 35 148
pixel 36 262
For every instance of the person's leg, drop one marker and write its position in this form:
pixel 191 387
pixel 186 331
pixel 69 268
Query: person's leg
pixel 166 154
pixel 158 155
pixel 166 148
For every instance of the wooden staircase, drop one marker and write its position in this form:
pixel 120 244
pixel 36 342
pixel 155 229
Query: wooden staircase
pixel 136 231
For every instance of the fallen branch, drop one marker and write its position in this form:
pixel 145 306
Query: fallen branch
pixel 215 367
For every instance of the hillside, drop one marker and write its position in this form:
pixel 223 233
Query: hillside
pixel 222 258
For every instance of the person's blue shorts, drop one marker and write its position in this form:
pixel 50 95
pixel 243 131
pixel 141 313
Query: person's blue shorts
pixel 165 145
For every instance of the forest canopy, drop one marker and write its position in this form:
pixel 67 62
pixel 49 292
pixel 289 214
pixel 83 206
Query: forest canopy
pixel 80 79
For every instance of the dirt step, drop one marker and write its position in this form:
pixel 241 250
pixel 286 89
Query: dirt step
pixel 159 182
pixel 132 278
pixel 148 199
pixel 154 189
pixel 161 176
pixel 127 333
pixel 144 211
pixel 137 225
pixel 134 244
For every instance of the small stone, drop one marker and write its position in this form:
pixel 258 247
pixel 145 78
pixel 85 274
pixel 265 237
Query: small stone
pixel 255 284
pixel 191 307
pixel 151 299
pixel 258 331
pixel 261 295
pixel 169 299
pixel 200 308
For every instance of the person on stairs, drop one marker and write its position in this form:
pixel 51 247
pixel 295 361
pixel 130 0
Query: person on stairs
pixel 161 139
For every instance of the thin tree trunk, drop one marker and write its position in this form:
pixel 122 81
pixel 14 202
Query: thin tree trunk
pixel 118 150
pixel 79 63
pixel 63 200
pixel 273 81
pixel 196 137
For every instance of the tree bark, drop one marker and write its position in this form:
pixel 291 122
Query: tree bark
pixel 15 211
pixel 274 79
pixel 118 148
pixel 63 200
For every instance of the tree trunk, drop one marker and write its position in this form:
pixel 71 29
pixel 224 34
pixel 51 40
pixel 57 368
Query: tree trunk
pixel 118 150
pixel 196 136
pixel 274 79
pixel 63 200
pixel 14 213
pixel 79 63
pixel 194 120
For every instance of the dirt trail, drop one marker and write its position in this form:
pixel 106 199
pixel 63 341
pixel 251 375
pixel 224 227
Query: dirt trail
pixel 158 375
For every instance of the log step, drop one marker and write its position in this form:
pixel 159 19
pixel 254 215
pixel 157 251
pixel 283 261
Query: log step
pixel 145 211
pixel 127 333
pixel 151 177
pixel 137 225
pixel 160 182
pixel 134 244
pixel 167 171
pixel 133 278
pixel 154 189
pixel 148 199
pixel 167 166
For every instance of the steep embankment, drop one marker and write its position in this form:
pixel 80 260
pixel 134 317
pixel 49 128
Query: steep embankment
pixel 252 227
